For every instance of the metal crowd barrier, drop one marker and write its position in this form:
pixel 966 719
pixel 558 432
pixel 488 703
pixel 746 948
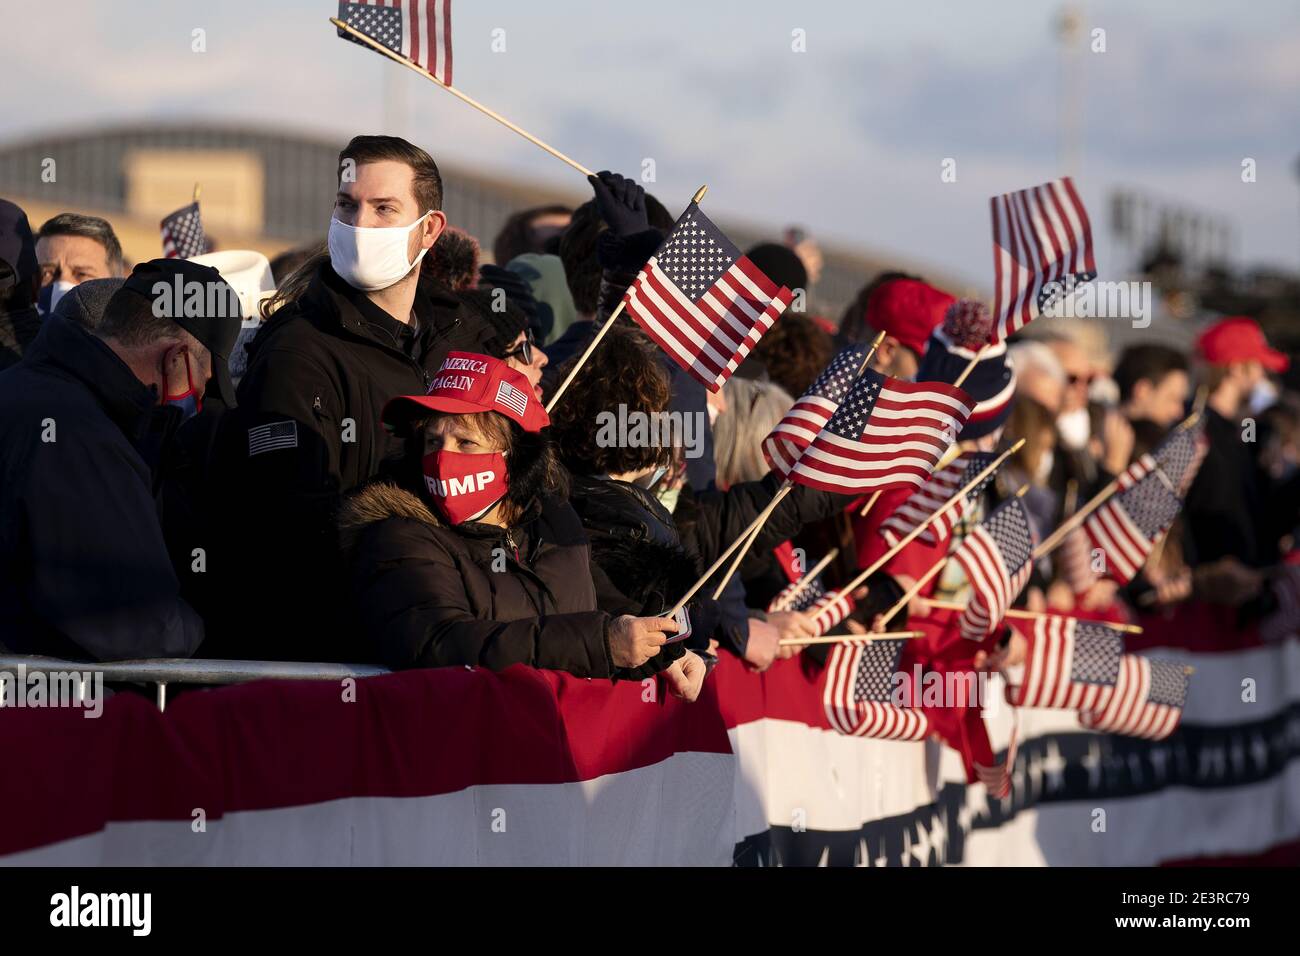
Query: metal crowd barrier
pixel 164 671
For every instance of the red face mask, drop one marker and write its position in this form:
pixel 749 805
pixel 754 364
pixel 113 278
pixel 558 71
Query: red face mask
pixel 464 487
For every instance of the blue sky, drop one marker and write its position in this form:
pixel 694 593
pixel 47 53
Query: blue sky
pixel 846 138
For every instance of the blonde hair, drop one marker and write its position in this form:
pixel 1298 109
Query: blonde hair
pixel 753 409
pixel 295 283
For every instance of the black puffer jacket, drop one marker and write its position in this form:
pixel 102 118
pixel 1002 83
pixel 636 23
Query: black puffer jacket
pixel 433 596
pixel 638 563
pixel 306 432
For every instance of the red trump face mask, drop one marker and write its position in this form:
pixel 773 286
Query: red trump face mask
pixel 464 487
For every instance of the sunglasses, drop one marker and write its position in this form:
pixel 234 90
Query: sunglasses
pixel 524 350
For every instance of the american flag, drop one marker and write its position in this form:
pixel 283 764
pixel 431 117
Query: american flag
pixel 1070 664
pixel 829 609
pixel 512 398
pixel 1131 521
pixel 885 433
pixel 1042 240
pixel 1147 701
pixel 703 301
pixel 997 559
pixel 182 233
pixel 927 499
pixel 859 687
pixel 419 30
pixel 797 595
pixel 1180 455
pixel 801 424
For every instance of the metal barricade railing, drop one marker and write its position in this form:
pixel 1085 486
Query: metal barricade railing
pixel 164 671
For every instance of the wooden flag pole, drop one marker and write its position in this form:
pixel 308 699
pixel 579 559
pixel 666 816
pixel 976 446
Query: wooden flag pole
pixel 1035 615
pixel 713 568
pixel 914 590
pixel 848 638
pixel 582 359
pixel 752 535
pixel 412 65
pixel 1079 517
pixel 787 487
pixel 941 510
pixel 970 366
pixel 609 324
pixel 808 578
pixel 871 502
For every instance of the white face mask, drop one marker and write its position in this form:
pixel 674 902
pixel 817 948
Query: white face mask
pixel 371 259
pixel 58 290
pixel 1262 396
pixel 1075 428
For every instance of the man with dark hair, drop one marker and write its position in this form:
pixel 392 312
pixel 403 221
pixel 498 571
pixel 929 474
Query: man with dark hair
pixel 365 328
pixel 19 279
pixel 1153 383
pixel 88 418
pixel 73 248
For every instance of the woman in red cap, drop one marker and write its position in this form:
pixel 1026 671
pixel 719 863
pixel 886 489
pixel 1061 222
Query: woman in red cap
pixel 474 556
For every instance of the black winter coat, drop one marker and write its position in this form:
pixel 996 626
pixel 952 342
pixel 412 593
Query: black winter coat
pixel 307 431
pixel 430 595
pixel 84 571
pixel 638 563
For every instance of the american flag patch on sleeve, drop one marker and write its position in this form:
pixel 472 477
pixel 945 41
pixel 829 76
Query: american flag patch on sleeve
pixel 512 397
pixel 272 437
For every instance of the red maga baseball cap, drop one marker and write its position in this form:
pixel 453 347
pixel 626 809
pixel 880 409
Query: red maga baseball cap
pixel 907 309
pixel 468 382
pixel 1239 339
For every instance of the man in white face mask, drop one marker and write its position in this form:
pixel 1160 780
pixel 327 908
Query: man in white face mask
pixel 349 331
pixel 73 249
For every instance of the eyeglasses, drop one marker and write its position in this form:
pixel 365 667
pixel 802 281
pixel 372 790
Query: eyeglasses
pixel 524 350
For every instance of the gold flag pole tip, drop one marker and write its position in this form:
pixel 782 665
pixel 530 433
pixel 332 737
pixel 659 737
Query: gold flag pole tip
pixel 699 194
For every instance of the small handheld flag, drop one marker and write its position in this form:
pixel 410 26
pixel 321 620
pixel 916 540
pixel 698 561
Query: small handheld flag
pixel 1042 247
pixel 703 301
pixel 1147 701
pixel 859 687
pixel 925 501
pixel 417 29
pixel 885 433
pixel 1069 664
pixel 996 557
pixel 809 415
pixel 182 233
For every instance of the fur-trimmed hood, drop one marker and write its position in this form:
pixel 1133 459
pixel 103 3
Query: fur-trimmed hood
pixel 379 501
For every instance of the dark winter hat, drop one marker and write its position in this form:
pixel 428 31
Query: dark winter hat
pixel 502 325
pixel 85 302
pixel 992 383
pixel 780 264
pixel 179 288
pixel 17 245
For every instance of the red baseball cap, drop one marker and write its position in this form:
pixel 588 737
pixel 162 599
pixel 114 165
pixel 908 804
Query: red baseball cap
pixel 1239 339
pixel 468 382
pixel 907 309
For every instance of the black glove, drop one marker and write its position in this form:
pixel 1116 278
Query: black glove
pixel 620 202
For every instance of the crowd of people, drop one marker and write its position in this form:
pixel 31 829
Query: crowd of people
pixel 368 474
